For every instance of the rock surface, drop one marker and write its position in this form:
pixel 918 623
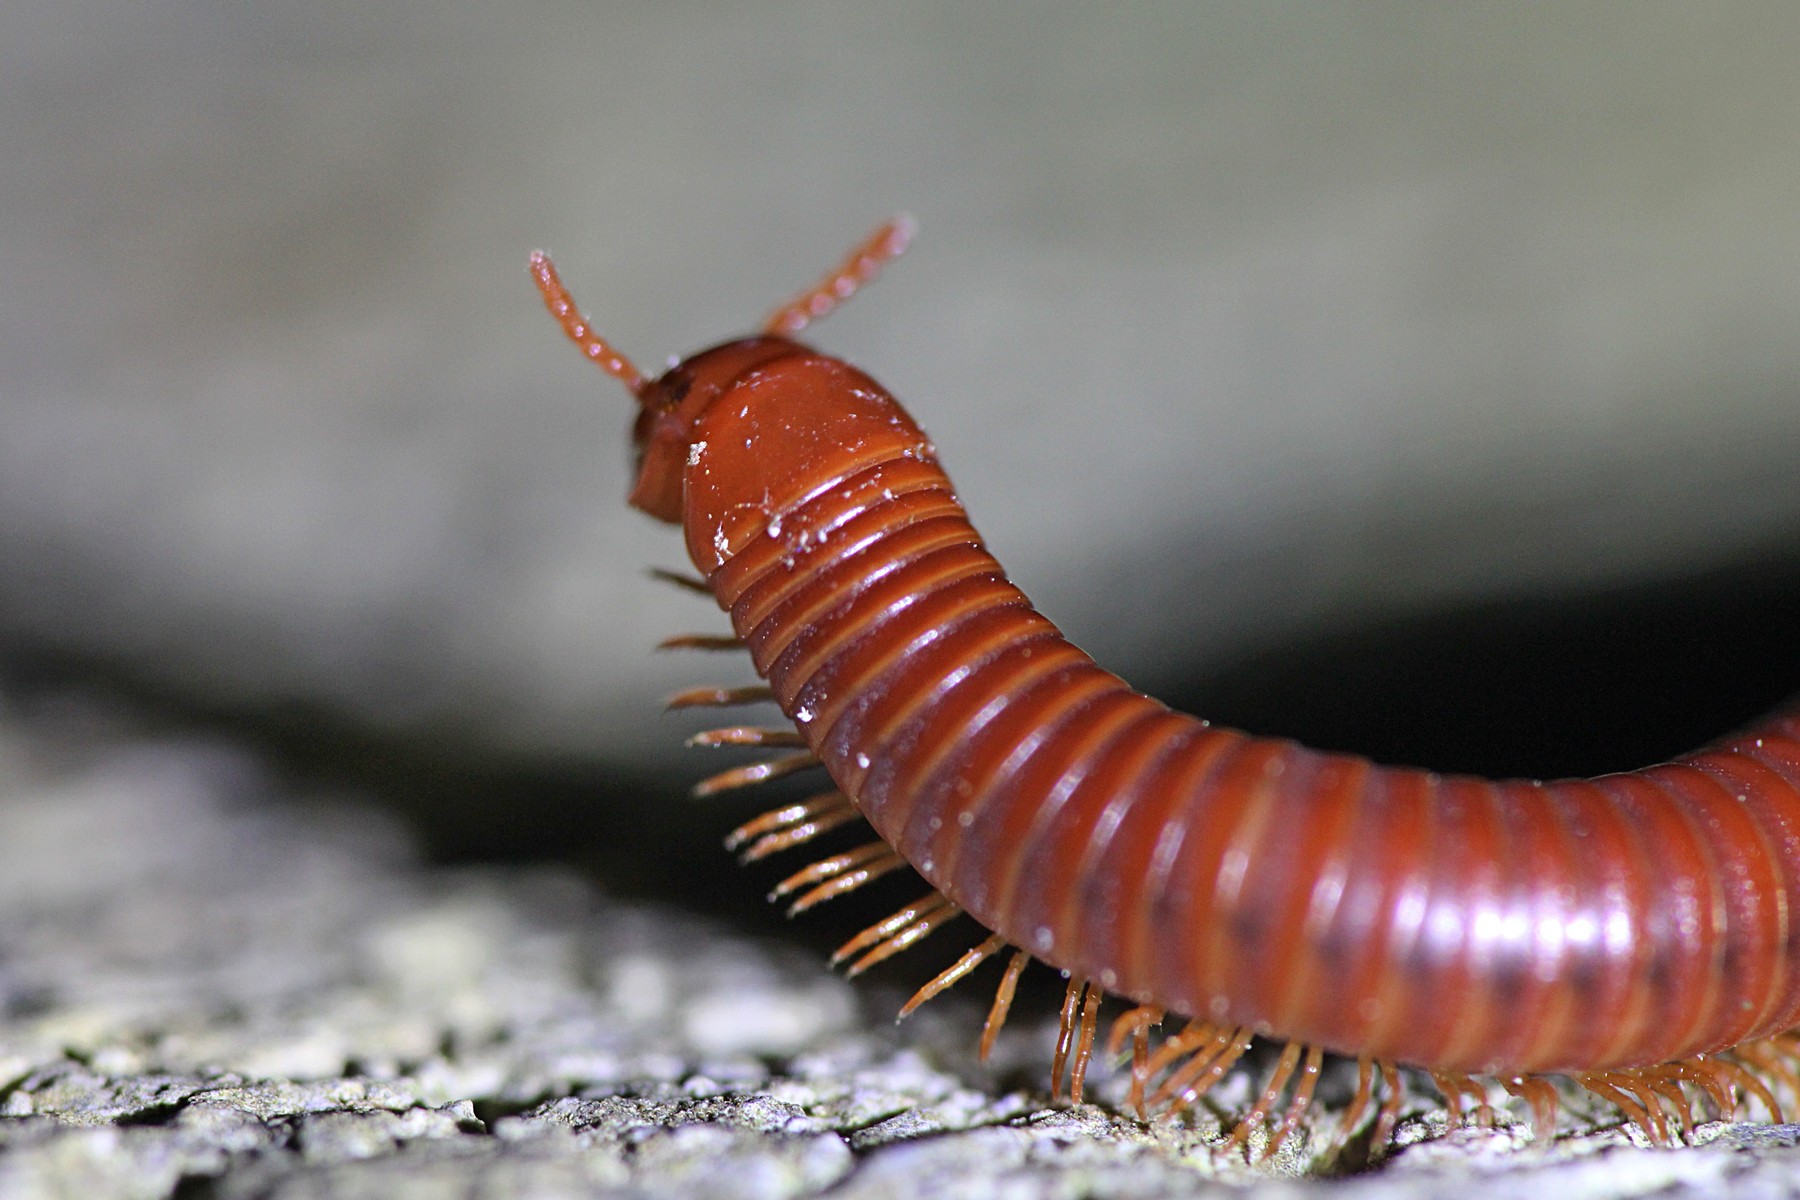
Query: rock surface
pixel 213 985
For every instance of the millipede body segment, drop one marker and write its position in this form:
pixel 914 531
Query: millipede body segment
pixel 1639 932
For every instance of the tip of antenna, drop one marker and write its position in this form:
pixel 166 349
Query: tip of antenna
pixel 579 329
pixel 542 270
pixel 883 246
pixel 900 232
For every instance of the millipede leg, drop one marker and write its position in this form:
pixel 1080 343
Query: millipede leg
pixel 1365 1088
pixel 716 696
pixel 789 817
pixel 1389 1115
pixel 841 873
pixel 746 735
pixel 790 825
pixel 889 936
pixel 1750 1083
pixel 1763 1056
pixel 953 974
pixel 1669 1088
pixel 1706 1074
pixel 1302 1098
pixel 1265 1103
pixel 1084 1039
pixel 1193 1035
pixel 701 641
pixel 1140 1055
pixel 682 580
pixel 1787 1045
pixel 1003 998
pixel 1646 1096
pixel 1135 1024
pixel 1065 1032
pixel 761 772
pixel 800 833
pixel 1194 1078
pixel 1455 1086
pixel 1540 1096
pixel 1452 1097
pixel 1606 1085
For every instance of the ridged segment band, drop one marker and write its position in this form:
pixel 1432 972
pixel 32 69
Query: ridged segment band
pixel 1450 922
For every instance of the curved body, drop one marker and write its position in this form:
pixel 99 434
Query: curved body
pixel 1450 922
pixel 1636 931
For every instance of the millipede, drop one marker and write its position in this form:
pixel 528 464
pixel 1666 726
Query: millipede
pixel 1632 935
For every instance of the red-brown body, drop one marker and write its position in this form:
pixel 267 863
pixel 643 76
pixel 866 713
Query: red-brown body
pixel 1637 931
pixel 1444 921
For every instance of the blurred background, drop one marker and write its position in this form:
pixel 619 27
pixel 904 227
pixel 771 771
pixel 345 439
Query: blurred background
pixel 1419 380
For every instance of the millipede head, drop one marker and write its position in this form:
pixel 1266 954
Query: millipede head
pixel 670 406
pixel 659 435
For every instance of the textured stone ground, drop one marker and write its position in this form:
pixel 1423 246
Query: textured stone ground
pixel 213 987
